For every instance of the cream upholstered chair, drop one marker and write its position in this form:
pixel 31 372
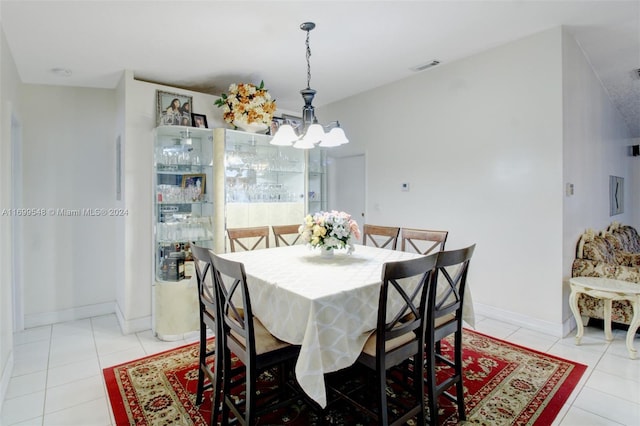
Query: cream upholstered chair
pixel 248 239
pixel 422 241
pixel 380 236
pixel 244 335
pixel 287 235
pixel 608 254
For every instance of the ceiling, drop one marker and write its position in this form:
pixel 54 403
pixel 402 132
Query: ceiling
pixel 356 46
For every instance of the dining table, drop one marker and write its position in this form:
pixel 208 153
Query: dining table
pixel 328 306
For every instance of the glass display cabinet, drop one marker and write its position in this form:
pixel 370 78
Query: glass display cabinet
pixel 206 181
pixel 257 172
pixel 264 184
pixel 183 183
pixel 317 180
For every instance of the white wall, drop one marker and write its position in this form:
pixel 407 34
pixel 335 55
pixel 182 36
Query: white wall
pixel 9 105
pixel 480 141
pixel 68 163
pixel 596 145
pixel 120 222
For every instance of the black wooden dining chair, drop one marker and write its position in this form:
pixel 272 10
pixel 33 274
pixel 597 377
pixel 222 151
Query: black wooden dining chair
pixel 286 235
pixel 208 377
pixel 246 337
pixel 395 342
pixel 380 236
pixel 422 241
pixel 247 239
pixel 444 317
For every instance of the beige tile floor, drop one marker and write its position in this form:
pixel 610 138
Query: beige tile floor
pixel 57 377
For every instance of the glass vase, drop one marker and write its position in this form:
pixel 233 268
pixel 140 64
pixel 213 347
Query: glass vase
pixel 326 252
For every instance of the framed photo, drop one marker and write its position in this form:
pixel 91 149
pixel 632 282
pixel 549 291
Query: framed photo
pixel 293 120
pixel 173 109
pixel 276 122
pixel 199 120
pixel 197 180
pixel 616 195
pixel 193 186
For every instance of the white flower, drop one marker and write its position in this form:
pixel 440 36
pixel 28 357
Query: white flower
pixel 331 242
pixel 329 230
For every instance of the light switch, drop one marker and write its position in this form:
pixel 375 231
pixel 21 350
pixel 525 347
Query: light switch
pixel 569 189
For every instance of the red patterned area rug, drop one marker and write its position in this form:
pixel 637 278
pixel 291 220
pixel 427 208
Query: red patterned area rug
pixel 505 384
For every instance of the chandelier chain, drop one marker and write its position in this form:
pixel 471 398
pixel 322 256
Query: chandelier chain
pixel 308 63
pixel 309 133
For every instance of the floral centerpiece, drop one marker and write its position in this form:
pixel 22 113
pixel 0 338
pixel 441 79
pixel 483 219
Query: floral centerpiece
pixel 330 230
pixel 247 106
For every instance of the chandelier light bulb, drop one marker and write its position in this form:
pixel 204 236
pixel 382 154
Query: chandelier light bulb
pixel 314 134
pixel 335 137
pixel 285 136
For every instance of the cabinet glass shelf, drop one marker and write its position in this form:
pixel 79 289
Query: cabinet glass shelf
pixel 169 203
pixel 183 185
pixel 178 169
pixel 258 172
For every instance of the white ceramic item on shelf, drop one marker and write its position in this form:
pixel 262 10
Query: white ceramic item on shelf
pixel 251 127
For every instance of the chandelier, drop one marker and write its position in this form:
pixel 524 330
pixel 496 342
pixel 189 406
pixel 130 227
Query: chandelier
pixel 309 133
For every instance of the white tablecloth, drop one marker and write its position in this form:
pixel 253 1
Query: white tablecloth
pixel 328 306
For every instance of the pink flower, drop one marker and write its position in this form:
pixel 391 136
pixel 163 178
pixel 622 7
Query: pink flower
pixel 354 229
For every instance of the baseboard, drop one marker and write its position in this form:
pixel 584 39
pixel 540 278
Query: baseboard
pixel 73 314
pixel 568 326
pixel 555 329
pixel 132 326
pixel 4 380
pixel 191 335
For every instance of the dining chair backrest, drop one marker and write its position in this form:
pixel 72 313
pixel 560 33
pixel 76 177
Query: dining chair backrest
pixel 204 277
pixel 247 239
pixel 380 236
pixel 235 307
pixel 444 317
pixel 406 281
pixel 446 294
pixel 209 362
pixel 422 241
pixel 286 235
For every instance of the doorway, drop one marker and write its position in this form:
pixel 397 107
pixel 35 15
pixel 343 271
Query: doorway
pixel 348 197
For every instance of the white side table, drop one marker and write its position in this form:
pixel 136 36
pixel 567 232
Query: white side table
pixel 608 290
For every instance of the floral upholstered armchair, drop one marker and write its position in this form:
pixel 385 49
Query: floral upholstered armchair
pixel 615 253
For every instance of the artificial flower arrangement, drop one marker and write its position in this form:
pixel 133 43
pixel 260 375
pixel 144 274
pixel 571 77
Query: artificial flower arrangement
pixel 246 104
pixel 330 230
